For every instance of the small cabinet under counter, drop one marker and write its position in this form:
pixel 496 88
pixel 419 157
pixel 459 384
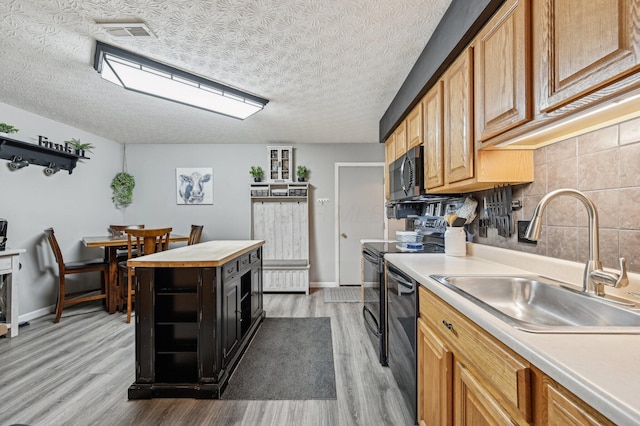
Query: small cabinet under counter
pixel 197 307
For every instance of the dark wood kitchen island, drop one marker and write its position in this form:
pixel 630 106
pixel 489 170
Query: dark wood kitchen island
pixel 197 307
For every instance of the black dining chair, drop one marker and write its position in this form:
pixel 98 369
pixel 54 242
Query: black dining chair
pixel 68 268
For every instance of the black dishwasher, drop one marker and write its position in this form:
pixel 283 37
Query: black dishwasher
pixel 402 306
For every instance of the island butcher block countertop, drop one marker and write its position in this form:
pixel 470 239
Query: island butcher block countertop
pixel 208 254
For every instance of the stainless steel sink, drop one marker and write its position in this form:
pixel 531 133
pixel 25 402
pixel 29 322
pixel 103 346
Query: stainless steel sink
pixel 542 305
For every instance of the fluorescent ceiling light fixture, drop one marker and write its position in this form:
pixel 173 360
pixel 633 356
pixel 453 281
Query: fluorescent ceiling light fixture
pixel 142 75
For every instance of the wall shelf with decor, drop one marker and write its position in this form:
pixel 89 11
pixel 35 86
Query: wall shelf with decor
pixel 280 217
pixel 21 154
pixel 290 190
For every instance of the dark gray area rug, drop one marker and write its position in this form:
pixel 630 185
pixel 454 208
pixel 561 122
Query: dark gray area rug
pixel 289 358
pixel 351 294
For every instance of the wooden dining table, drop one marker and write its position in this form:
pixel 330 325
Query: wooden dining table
pixel 111 245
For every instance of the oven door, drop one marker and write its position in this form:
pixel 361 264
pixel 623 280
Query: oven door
pixel 402 304
pixel 373 309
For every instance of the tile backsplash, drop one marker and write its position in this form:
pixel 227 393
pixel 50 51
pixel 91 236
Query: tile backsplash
pixel 605 166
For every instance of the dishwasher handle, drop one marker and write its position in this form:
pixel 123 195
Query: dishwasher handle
pixel 401 279
pixel 374 330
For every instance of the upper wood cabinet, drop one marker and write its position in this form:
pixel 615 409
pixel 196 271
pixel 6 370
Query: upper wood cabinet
pixel 390 156
pixel 458 118
pixel 400 139
pixel 581 46
pixel 502 77
pixel 415 130
pixel 460 167
pixel 433 137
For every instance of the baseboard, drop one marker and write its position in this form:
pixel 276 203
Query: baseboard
pixel 35 314
pixel 320 284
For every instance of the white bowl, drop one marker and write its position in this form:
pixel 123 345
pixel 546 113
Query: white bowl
pixel 408 237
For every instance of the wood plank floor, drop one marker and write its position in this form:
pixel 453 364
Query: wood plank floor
pixel 77 373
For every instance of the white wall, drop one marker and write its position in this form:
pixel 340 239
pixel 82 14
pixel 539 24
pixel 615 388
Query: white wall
pixel 75 205
pixel 230 215
pixel 80 204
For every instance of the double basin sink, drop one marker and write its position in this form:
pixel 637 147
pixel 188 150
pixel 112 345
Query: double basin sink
pixel 542 305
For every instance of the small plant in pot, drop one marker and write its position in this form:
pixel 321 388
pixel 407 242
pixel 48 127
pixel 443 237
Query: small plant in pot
pixel 7 128
pixel 301 171
pixel 122 186
pixel 78 147
pixel 257 173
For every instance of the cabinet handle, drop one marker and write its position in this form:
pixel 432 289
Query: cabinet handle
pixel 449 326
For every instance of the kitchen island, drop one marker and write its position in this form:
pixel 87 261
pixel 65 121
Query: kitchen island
pixel 599 369
pixel 197 308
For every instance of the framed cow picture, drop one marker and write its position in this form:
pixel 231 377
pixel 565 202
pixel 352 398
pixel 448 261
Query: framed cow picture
pixel 194 185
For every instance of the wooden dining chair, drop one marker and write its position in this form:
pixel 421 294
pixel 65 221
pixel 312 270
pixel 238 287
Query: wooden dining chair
pixel 195 235
pixel 69 268
pixel 118 231
pixel 146 241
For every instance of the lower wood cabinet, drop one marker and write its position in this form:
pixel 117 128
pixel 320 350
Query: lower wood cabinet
pixel 476 380
pixel 193 324
pixel 560 407
pixel 467 377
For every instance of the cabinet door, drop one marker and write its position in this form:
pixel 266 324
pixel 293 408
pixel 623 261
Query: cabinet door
pixel 433 132
pixel 434 378
pixel 563 408
pixel 582 46
pixel 230 316
pixel 502 79
pixel 280 162
pixel 400 136
pixel 284 226
pixel 415 132
pixel 389 157
pixel 458 119
pixel 473 404
pixel 256 292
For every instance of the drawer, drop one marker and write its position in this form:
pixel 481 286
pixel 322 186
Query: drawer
pixel 244 261
pixel 229 268
pixel 5 263
pixel 506 373
pixel 254 256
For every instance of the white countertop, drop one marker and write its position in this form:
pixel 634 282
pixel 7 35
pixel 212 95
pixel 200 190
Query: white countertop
pixel 602 370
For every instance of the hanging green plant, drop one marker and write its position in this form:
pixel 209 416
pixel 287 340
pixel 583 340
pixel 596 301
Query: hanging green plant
pixel 122 185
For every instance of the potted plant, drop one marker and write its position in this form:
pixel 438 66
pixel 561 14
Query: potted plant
pixel 7 128
pixel 301 171
pixel 257 173
pixel 122 186
pixel 79 147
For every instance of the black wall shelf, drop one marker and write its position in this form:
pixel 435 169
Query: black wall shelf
pixel 52 159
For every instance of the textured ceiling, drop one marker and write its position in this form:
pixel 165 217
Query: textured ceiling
pixel 330 68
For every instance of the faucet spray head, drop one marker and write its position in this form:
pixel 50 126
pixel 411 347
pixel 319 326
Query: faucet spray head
pixel 534 229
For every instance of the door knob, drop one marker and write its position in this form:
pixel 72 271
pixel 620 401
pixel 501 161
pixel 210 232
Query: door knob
pixel 343 235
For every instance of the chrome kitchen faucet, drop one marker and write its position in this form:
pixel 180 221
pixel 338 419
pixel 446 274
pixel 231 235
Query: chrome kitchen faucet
pixel 594 276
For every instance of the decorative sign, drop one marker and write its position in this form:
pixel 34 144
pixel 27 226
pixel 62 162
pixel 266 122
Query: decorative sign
pixel 194 185
pixel 43 141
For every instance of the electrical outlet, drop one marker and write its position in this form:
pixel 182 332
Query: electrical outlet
pixel 522 230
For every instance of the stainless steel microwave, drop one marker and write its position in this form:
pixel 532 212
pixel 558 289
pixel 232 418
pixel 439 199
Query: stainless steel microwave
pixel 405 175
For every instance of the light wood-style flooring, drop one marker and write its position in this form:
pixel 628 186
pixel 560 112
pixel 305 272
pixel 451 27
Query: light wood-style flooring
pixel 77 373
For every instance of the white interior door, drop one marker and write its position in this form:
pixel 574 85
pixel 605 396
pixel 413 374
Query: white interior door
pixel 360 215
